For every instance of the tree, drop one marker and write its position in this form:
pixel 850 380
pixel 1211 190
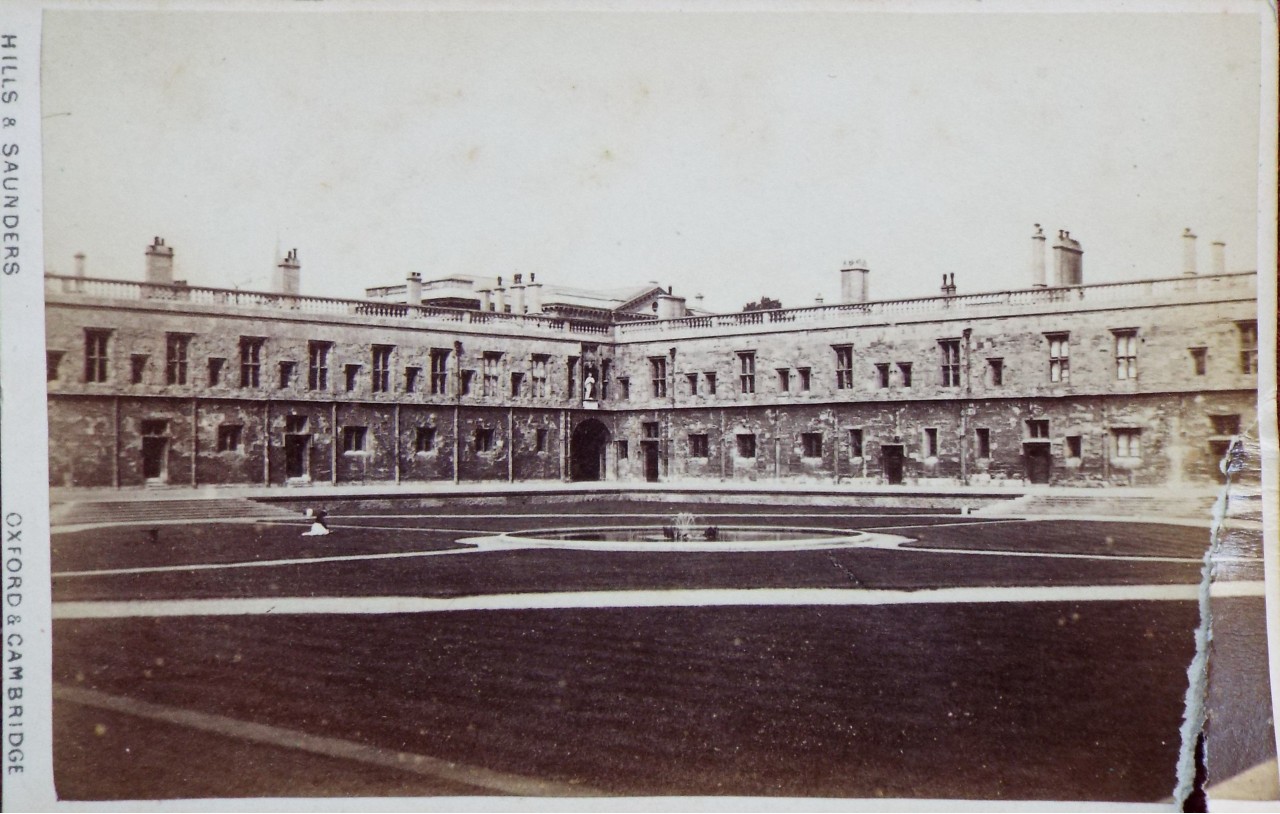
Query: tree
pixel 765 304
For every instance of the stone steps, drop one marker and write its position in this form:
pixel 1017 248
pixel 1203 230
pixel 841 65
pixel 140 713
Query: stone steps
pixel 1197 506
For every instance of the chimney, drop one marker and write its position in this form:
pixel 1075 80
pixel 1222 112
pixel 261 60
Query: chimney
pixel 697 300
pixel 159 263
pixel 1188 253
pixel 817 300
pixel 517 294
pixel 533 295
pixel 1218 255
pixel 486 299
pixel 499 298
pixel 671 306
pixel 1037 259
pixel 289 274
pixel 80 264
pixel 853 281
pixel 413 286
pixel 1068 260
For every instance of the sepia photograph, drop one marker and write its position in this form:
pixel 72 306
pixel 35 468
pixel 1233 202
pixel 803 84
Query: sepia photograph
pixel 834 403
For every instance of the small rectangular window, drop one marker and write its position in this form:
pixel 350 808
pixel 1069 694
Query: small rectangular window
pixel 1126 442
pixel 658 376
pixel 154 427
pixel 995 371
pixel 425 439
pixel 318 365
pixel 931 442
pixel 216 366
pixel 623 450
pixel 950 350
pixel 517 384
pixel 381 381
pixel 692 379
pixel 784 380
pixel 229 437
pixel 1199 360
pixel 1059 357
pixel 251 361
pixel 137 367
pixel 811 444
pixel 806 378
pixel 904 369
pixel 1248 346
pixel 882 375
pixel 467 377
pixel 352 373
pixel 746 445
pixel 711 383
pixel 52 361
pixel 286 373
pixel 439 371
pixel 651 429
pixel 1075 446
pixel 855 443
pixel 1225 424
pixel 747 372
pixel 844 367
pixel 411 376
pixel 175 358
pixel 540 440
pixel 491 364
pixel 624 387
pixel 571 372
pixel 1037 428
pixel 984 442
pixel 295 424
pixel 95 355
pixel 484 439
pixel 538 375
pixel 699 445
pixel 353 439
pixel 1126 344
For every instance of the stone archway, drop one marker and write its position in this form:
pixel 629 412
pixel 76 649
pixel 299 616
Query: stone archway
pixel 588 446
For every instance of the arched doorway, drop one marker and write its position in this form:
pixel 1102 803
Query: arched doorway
pixel 587 448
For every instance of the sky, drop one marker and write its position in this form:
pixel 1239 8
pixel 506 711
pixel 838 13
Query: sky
pixel 736 155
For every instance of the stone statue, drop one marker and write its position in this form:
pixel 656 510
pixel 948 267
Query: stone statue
pixel 588 387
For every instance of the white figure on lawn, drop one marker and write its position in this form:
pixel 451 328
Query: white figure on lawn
pixel 318 527
pixel 588 387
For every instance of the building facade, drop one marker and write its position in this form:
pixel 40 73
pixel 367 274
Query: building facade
pixel 1134 383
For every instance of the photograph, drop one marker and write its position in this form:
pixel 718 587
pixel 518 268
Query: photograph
pixel 840 403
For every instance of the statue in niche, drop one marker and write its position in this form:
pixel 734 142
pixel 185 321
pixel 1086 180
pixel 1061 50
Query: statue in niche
pixel 589 387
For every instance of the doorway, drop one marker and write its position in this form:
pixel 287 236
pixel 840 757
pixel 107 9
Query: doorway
pixel 297 456
pixel 891 456
pixel 155 451
pixel 1039 462
pixel 587 449
pixel 650 449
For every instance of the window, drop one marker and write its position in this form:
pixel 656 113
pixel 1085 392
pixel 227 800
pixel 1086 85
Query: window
pixel 216 366
pixel 154 427
pixel 137 367
pixel 699 445
pixel 1075 446
pixel 425 439
pixel 318 365
pixel 353 439
pixel 651 429
pixel 904 368
pixel 855 443
pixel 692 379
pixel 250 361
pixel 1127 442
pixel 1059 361
pixel 950 349
pixel 747 371
pixel 1248 346
pixel 439 371
pixel 229 437
pixel 95 355
pixel 517 382
pixel 352 375
pixel 540 441
pixel 295 424
pixel 286 373
pixel 711 383
pixel 572 377
pixel 746 445
pixel 1126 354
pixel 538 376
pixel 658 375
pixel 784 380
pixel 1225 424
pixel 489 367
pixel 811 444
pixel 806 378
pixel 484 439
pixel 844 368
pixel 467 377
pixel 411 376
pixel 1037 428
pixel 882 376
pixel 606 377
pixel 984 442
pixel 995 372
pixel 931 442
pixel 381 369
pixel 1199 360
pixel 52 361
pixel 175 358
pixel 624 387
pixel 623 450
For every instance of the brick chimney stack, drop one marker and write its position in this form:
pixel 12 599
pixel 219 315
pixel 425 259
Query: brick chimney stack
pixel 1037 259
pixel 517 294
pixel 1188 253
pixel 854 283
pixel 1068 259
pixel 289 274
pixel 159 263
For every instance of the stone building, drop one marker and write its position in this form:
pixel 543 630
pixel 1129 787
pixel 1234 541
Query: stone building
pixel 474 379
